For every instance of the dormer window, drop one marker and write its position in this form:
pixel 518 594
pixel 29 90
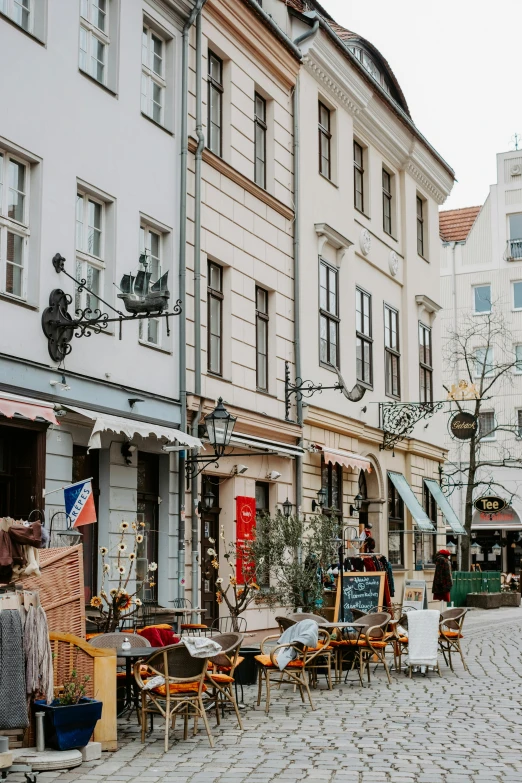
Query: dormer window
pixel 371 67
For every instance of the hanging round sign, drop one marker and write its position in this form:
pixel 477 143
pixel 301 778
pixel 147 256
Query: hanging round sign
pixel 463 426
pixel 489 504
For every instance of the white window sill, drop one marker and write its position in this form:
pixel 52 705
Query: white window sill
pixel 18 301
pixel 155 347
pixel 19 27
pixel 157 124
pixel 100 84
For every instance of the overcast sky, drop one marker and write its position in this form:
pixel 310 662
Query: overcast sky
pixel 459 65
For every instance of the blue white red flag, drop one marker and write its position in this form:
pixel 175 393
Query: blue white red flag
pixel 79 504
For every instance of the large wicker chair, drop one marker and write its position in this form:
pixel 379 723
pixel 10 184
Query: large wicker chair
pixel 182 693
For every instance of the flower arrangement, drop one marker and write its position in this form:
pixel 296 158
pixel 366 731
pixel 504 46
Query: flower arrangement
pixel 241 588
pixel 119 603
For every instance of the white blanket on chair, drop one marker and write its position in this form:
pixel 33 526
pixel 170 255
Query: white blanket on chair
pixel 201 646
pixel 423 637
pixel 304 632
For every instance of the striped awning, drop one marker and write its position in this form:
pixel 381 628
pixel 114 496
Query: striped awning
pixel 12 404
pixel 345 458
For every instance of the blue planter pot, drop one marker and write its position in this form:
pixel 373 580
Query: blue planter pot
pixel 70 726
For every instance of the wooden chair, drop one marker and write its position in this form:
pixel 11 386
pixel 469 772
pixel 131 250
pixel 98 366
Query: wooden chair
pixel 372 643
pixel 182 693
pixel 194 629
pixel 220 673
pixel 450 634
pixel 297 670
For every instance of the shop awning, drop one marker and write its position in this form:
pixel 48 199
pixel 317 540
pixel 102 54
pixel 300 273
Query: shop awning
pixel 345 458
pixel 240 440
pixel 11 404
pixel 447 511
pixel 129 427
pixel 419 516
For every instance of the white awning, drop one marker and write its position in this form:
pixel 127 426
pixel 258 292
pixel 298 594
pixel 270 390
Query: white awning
pixel 419 516
pixel 129 427
pixel 238 439
pixel 345 458
pixel 451 518
pixel 29 408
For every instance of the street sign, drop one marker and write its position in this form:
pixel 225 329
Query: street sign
pixel 489 504
pixel 463 426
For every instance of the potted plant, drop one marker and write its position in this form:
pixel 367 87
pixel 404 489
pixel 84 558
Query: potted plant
pixel 71 718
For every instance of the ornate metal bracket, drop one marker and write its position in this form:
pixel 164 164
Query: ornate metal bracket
pixel 60 327
pixel 399 418
pixel 302 389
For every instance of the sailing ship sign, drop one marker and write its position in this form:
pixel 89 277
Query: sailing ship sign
pixel 143 294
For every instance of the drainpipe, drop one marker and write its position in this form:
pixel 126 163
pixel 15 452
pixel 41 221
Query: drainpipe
pixel 297 265
pixel 459 447
pixel 195 518
pixel 196 11
pixel 197 217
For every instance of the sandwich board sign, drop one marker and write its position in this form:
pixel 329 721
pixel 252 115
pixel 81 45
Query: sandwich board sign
pixel 415 594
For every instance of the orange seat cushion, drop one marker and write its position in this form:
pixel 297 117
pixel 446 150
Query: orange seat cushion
pixel 266 661
pixel 240 659
pixel 186 626
pixel 178 687
pixel 91 636
pixel 377 644
pixel 221 678
pixel 452 634
pixel 160 626
pixel 344 643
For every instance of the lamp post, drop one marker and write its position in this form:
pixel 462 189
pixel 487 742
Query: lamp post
pixel 220 425
pixel 287 508
pixel 357 505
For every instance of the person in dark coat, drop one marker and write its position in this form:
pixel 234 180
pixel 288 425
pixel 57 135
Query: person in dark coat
pixel 442 581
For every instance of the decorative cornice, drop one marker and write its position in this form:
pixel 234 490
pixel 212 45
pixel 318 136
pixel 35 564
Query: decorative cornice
pixel 244 182
pixel 328 234
pixel 428 304
pixel 247 30
pixel 423 180
pixel 330 85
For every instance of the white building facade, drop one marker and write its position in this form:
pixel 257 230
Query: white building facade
pixel 481 273
pixel 90 170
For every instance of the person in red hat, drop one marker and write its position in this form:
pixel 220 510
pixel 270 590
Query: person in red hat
pixel 442 580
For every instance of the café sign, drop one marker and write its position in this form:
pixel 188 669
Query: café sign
pixel 463 426
pixel 489 504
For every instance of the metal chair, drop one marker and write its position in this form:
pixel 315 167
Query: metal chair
pixel 220 673
pixel 450 634
pixel 182 693
pixel 295 671
pixel 229 625
pixel 192 628
pixel 373 642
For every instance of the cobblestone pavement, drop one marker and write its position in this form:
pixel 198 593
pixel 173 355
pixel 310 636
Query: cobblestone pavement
pixel 463 727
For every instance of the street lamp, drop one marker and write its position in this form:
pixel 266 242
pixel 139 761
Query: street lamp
pixel 71 535
pixel 451 547
pixel 475 549
pixel 209 498
pixel 220 425
pixel 357 504
pixel 321 499
pixel 496 550
pixel 287 508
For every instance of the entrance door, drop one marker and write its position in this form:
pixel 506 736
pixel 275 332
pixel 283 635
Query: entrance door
pixel 22 470
pixel 209 530
pixel 148 513
pixel 86 465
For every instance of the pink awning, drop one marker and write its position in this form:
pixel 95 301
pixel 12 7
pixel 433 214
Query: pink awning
pixel 345 458
pixel 10 404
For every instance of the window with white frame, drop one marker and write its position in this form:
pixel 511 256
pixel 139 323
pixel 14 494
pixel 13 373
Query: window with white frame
pixel 94 38
pixel 517 295
pixel 150 247
pixel 518 358
pixel 392 357
pixel 482 299
pixel 487 425
pixel 483 362
pixel 14 224
pixel 20 11
pixel 90 263
pixel 153 82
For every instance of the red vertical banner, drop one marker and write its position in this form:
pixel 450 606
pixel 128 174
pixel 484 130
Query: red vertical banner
pixel 245 525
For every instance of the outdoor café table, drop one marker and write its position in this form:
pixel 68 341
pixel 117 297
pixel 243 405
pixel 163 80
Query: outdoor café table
pixel 179 613
pixel 132 655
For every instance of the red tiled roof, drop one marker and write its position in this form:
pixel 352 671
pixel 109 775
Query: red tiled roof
pixel 455 224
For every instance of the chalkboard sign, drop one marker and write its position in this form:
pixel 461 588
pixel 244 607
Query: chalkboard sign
pixel 361 591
